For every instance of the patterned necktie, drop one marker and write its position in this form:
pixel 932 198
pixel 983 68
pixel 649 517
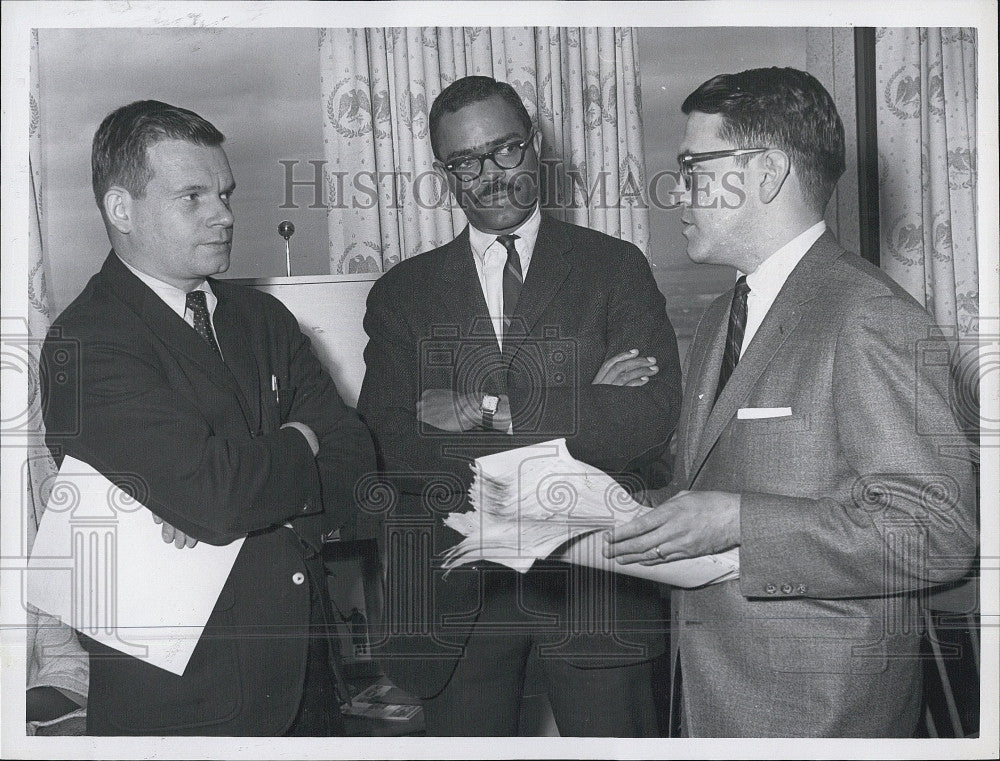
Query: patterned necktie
pixel 734 335
pixel 199 309
pixel 512 278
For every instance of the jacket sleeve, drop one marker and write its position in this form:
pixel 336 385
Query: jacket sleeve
pixel 409 456
pixel 908 519
pixel 607 426
pixel 616 427
pixel 346 451
pixel 116 409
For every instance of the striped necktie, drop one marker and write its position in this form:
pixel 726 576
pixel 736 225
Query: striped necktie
pixel 512 278
pixel 195 301
pixel 734 334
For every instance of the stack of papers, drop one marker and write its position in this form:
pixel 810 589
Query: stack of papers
pixel 529 502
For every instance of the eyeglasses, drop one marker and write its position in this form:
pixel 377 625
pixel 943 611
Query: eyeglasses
pixel 687 161
pixel 506 156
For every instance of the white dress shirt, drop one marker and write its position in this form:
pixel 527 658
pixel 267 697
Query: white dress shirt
pixel 770 276
pixel 491 257
pixel 176 299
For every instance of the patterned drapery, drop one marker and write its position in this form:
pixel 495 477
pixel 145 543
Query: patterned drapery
pixel 55 657
pixel 926 82
pixel 580 85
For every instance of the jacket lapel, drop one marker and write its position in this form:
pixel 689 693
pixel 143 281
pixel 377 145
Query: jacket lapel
pixel 168 327
pixel 549 267
pixel 803 284
pixel 231 330
pixel 461 293
pixel 703 375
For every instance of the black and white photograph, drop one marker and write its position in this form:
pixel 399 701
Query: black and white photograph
pixel 383 379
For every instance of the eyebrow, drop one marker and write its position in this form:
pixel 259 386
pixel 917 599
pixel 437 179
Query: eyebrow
pixel 478 150
pixel 202 187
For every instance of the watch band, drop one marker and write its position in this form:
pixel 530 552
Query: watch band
pixel 488 407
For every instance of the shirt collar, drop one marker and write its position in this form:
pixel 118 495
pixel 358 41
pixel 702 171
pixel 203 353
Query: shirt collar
pixel 527 234
pixel 772 273
pixel 171 295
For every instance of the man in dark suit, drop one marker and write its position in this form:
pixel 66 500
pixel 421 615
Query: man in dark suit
pixel 209 395
pixel 815 435
pixel 522 329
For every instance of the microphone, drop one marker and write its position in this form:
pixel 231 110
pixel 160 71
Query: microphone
pixel 286 230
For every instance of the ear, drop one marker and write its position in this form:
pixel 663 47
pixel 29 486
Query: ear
pixel 777 166
pixel 119 209
pixel 536 141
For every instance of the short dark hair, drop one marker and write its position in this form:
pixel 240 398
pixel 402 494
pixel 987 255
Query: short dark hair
pixel 466 90
pixel 118 155
pixel 779 108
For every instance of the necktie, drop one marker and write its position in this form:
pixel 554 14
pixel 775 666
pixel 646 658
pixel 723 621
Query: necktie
pixel 199 309
pixel 512 278
pixel 734 334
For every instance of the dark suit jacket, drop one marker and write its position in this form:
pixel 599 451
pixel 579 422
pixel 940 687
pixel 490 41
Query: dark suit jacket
pixel 853 502
pixel 586 297
pixel 144 396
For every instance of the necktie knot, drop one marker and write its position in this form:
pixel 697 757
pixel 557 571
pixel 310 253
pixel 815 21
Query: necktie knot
pixel 742 287
pixel 507 241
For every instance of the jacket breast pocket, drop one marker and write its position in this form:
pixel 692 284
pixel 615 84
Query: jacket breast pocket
pixel 277 407
pixel 775 425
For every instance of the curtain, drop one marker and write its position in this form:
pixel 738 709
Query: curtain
pixel 580 86
pixel 54 655
pixel 830 58
pixel 926 124
pixel 926 82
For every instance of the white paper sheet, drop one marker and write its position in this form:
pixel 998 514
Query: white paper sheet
pixel 529 502
pixel 100 564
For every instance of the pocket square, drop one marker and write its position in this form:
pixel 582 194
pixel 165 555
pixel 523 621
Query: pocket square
pixel 758 413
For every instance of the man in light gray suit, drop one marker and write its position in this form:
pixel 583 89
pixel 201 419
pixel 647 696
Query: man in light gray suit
pixel 814 435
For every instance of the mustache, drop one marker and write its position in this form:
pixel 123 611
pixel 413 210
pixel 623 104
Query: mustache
pixel 493 188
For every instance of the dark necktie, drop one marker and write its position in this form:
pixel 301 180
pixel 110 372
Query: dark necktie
pixel 199 310
pixel 734 334
pixel 512 278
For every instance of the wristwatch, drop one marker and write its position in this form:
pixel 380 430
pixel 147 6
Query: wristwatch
pixel 488 407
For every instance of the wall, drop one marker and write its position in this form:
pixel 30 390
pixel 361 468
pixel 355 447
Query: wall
pixel 260 87
pixel 673 62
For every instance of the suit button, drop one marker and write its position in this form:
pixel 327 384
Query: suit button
pixel 786 589
pixel 800 589
pixel 298 578
pixel 770 589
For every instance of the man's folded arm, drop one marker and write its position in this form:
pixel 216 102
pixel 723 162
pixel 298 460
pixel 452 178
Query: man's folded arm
pixel 911 519
pixel 133 426
pixel 346 451
pixel 413 451
pixel 615 425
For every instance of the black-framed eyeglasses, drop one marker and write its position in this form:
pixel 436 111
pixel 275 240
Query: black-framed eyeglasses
pixel 506 156
pixel 687 161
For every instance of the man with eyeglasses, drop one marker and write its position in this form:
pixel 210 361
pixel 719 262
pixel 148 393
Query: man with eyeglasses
pixel 522 329
pixel 815 436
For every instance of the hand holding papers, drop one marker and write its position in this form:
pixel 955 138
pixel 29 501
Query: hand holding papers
pixel 99 563
pixel 529 502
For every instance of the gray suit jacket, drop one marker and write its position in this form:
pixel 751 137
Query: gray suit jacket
pixel 850 506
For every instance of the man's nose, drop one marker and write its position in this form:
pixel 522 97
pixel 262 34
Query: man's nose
pixel 222 214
